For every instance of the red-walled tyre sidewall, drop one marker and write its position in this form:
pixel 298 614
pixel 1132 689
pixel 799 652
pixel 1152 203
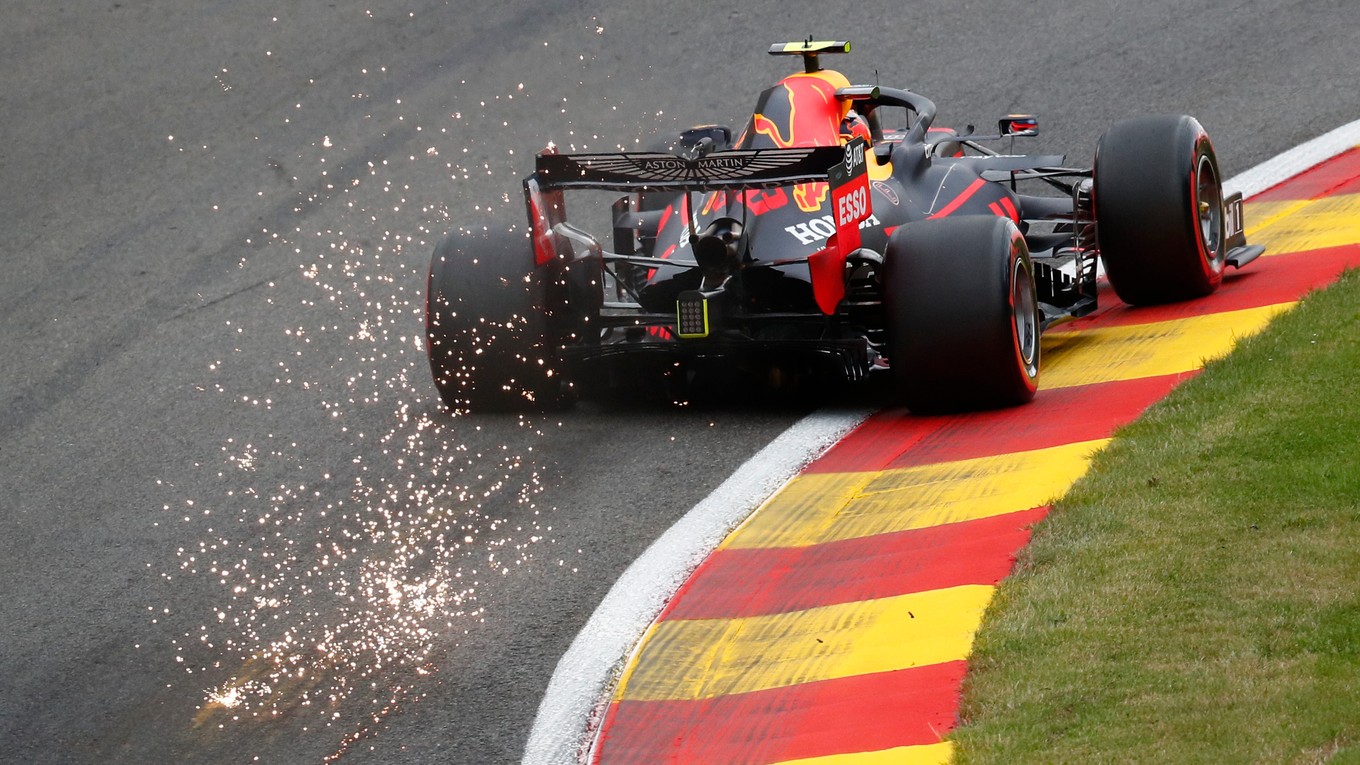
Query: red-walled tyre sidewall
pixel 963 321
pixel 1151 176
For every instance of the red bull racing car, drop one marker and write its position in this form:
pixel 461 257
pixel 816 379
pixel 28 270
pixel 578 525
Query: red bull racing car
pixel 841 230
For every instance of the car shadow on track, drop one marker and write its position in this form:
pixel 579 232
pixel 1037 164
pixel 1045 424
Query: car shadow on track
pixel 765 389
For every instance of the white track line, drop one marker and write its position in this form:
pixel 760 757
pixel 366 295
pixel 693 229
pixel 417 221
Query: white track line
pixel 1275 171
pixel 587 670
pixel 576 694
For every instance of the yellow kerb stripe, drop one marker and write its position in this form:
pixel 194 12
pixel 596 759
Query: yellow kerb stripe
pixel 816 508
pixel 1147 350
pixel 928 754
pixel 1299 226
pixel 703 658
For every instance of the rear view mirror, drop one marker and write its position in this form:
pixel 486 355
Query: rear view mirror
pixel 1019 124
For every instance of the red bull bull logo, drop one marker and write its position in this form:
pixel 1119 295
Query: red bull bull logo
pixel 807 106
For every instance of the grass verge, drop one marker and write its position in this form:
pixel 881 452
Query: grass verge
pixel 1196 597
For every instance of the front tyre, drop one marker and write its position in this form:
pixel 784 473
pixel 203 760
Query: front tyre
pixel 963 317
pixel 1159 210
pixel 486 325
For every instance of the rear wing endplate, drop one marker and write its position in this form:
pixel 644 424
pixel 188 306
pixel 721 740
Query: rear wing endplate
pixel 658 171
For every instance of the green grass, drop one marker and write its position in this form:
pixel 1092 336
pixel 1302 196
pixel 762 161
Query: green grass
pixel 1196 597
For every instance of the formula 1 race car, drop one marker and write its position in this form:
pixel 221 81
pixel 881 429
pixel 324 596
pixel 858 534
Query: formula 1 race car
pixel 839 230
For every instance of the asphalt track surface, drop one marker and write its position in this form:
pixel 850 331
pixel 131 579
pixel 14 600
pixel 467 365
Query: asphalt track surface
pixel 223 472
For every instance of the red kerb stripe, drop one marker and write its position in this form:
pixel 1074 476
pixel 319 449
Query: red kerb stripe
pixel 735 583
pixel 1280 278
pixel 896 439
pixel 866 713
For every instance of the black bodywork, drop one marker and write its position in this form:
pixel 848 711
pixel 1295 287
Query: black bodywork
pixel 725 247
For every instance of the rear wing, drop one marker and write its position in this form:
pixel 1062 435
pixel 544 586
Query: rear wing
pixel 658 171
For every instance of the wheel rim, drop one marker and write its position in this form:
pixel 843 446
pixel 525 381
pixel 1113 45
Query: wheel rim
pixel 1209 200
pixel 1025 315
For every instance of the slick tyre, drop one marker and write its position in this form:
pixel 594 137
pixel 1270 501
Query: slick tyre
pixel 1159 210
pixel 486 325
pixel 962 314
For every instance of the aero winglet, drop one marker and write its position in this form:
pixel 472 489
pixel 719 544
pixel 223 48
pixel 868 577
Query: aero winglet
pixel 809 49
pixel 1239 252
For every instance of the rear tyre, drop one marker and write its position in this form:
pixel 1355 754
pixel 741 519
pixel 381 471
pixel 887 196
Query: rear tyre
pixel 1159 210
pixel 963 317
pixel 486 325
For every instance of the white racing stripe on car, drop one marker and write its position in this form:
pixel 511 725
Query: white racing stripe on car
pixel 585 673
pixel 587 669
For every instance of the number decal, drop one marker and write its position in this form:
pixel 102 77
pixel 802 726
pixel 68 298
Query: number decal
pixel 1232 218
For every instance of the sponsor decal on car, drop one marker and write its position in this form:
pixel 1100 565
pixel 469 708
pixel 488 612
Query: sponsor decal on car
pixel 850 200
pixel 887 191
pixel 810 196
pixel 818 229
pixel 757 201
